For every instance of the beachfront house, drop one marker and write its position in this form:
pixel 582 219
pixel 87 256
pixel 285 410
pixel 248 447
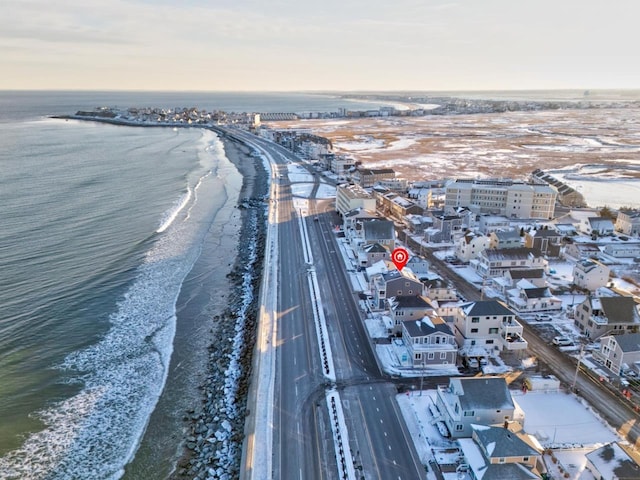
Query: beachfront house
pixel 430 341
pixel 474 400
pixel 385 285
pixel 404 308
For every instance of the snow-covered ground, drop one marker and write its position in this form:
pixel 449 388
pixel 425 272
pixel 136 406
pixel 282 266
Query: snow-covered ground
pixel 298 173
pixel 326 191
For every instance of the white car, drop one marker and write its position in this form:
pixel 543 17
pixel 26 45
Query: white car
pixel 562 341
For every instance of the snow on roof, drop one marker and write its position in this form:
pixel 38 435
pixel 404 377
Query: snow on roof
pixel 612 461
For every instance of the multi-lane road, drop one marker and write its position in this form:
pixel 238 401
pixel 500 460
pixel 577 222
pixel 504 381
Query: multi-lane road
pixel 299 434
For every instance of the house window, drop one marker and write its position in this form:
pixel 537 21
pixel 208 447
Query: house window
pixel 459 427
pixel 443 355
pixel 502 460
pixel 474 330
pixel 430 356
pixel 525 459
pixel 489 342
pixel 475 319
pixel 418 356
pixel 493 330
pixel 469 413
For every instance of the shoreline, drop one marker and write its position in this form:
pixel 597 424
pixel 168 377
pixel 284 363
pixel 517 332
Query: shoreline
pixel 211 376
pixel 214 431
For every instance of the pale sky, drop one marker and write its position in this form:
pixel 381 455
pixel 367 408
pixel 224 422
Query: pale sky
pixel 293 45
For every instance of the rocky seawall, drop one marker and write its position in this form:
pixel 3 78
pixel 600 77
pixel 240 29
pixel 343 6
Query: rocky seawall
pixel 213 444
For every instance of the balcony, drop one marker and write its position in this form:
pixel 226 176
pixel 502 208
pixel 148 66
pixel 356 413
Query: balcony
pixel 513 341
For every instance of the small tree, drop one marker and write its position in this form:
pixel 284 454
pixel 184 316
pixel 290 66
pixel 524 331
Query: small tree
pixel 606 212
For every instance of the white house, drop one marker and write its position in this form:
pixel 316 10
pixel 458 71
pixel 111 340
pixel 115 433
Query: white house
pixel 489 324
pixel 590 274
pixel 628 222
pixel 470 245
pixel 493 263
pixel 597 226
pixel 526 298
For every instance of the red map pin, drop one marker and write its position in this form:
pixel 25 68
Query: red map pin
pixel 400 257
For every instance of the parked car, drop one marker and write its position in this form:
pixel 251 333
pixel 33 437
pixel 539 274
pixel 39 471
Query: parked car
pixel 562 341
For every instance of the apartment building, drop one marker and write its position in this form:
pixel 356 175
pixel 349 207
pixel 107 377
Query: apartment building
pixel 350 197
pixel 502 197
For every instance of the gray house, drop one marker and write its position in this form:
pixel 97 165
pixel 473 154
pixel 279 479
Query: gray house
pixel 405 308
pixel 372 253
pixel 393 284
pixel 379 231
pixel 474 400
pixel 497 453
pixel 619 352
pixel 607 316
pixel 430 342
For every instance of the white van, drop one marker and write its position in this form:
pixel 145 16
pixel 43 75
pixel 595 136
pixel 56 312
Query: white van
pixel 562 341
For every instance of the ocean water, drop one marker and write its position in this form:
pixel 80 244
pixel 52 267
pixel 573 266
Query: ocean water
pixel 100 227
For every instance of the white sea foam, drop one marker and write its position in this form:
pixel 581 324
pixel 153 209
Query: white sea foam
pixel 95 433
pixel 173 213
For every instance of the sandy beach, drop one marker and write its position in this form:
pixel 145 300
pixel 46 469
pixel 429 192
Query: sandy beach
pixel 174 445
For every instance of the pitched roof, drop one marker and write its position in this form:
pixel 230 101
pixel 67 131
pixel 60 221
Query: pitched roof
pixel 520 273
pixel 374 248
pixel 511 253
pixel 612 461
pixel 542 292
pixel 482 393
pixel 506 471
pixel 629 342
pixel 426 326
pixel 485 308
pixel 504 235
pixel 378 230
pixel 545 233
pixel 483 470
pixel 409 301
pixel 620 309
pixel 501 442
